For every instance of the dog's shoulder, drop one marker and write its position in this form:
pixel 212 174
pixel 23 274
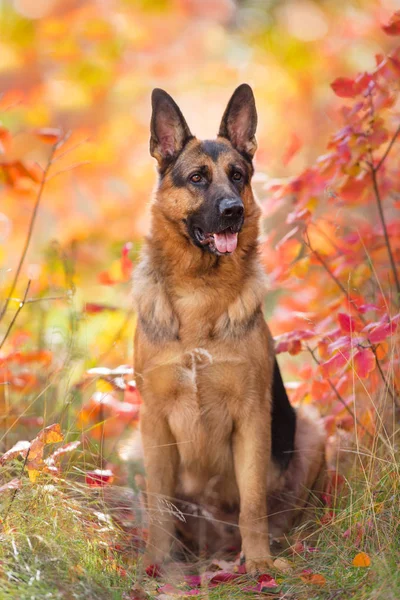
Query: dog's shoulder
pixel 156 316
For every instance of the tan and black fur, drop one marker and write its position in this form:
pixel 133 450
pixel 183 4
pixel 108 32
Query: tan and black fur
pixel 216 422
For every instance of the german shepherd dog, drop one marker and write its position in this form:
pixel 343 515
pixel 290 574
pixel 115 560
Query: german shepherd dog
pixel 216 423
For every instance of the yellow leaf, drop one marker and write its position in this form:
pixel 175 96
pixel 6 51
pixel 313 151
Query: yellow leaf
pixel 301 267
pixel 104 386
pixel 52 434
pixel 33 474
pixel 361 560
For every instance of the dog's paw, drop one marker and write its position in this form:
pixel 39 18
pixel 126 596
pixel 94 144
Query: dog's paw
pixel 258 566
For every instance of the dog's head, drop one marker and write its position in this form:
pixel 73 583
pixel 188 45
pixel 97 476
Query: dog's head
pixel 204 186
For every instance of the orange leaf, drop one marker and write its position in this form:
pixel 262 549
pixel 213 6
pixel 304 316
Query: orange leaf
pixel 51 434
pixel 382 350
pixel 361 559
pixel 314 578
pixel 49 135
pixel 330 367
pixel 48 435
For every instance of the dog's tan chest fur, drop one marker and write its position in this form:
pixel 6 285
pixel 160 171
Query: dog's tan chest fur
pixel 203 389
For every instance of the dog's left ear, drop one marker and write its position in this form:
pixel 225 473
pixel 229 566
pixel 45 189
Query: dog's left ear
pixel 169 130
pixel 239 122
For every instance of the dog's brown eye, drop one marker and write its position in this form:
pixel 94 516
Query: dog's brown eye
pixel 237 176
pixel 196 178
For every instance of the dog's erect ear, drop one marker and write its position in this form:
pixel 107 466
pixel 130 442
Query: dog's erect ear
pixel 239 122
pixel 169 130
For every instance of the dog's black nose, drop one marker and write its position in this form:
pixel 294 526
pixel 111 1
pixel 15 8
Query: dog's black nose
pixel 231 207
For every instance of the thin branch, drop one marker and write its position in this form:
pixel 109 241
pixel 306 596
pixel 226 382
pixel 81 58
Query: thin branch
pixel 30 229
pixel 388 149
pixel 333 277
pixel 69 150
pixel 69 168
pixel 20 307
pixel 385 232
pixel 338 395
pixel 65 297
pixel 360 315
pixel 393 395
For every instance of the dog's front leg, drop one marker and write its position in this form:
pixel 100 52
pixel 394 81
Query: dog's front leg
pixel 161 464
pixel 251 454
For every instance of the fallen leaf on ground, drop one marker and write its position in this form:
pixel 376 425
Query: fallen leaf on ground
pixel 313 578
pixel 361 559
pixel 282 565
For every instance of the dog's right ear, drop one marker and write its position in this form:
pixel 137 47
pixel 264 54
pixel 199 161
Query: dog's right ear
pixel 169 130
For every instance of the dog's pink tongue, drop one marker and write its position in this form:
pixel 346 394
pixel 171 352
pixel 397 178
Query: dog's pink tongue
pixel 225 241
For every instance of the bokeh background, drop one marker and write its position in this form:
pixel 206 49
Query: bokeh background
pixel 85 70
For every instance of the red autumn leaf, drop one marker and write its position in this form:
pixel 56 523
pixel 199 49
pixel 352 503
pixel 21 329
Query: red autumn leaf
pixel 153 571
pixel 382 332
pixel 345 341
pixel 93 308
pixel 223 577
pixel 331 367
pixel 347 323
pixel 393 27
pixel 266 581
pixel 99 477
pixel 362 82
pixel 354 188
pixel 192 580
pixel 364 362
pixel 291 342
pixel 344 87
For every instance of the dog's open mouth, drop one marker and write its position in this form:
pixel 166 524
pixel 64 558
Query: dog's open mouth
pixel 224 242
